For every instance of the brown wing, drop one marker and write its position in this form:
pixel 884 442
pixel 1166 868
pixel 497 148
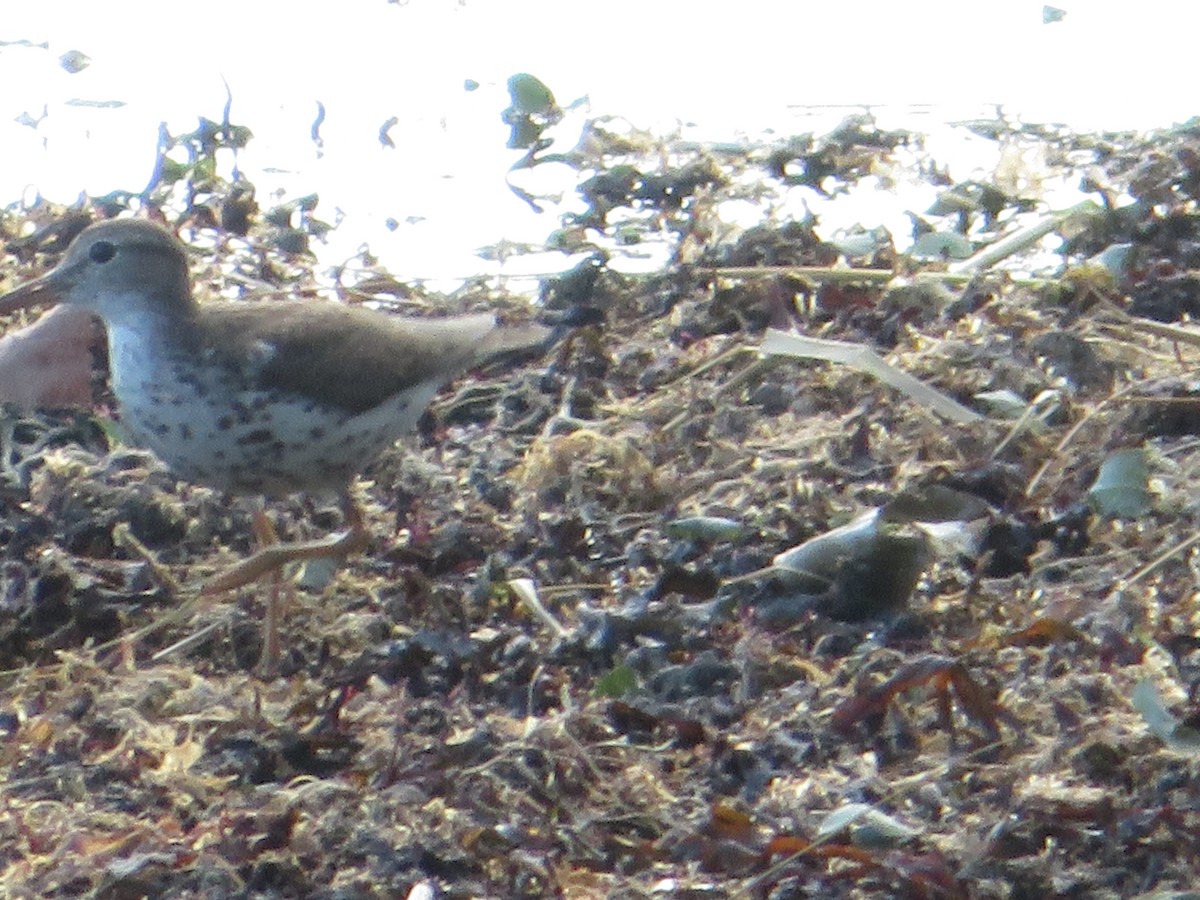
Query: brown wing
pixel 343 357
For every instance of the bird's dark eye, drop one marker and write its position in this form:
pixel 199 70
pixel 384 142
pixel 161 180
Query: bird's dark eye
pixel 102 251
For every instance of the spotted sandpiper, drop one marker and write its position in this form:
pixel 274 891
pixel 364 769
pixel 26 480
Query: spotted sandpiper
pixel 268 398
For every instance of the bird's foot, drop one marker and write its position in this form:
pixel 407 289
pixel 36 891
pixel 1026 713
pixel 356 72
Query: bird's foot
pixel 269 561
pixel 275 556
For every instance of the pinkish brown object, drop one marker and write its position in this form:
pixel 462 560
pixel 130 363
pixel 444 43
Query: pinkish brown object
pixel 49 363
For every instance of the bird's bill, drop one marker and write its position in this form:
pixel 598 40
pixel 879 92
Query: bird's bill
pixel 44 291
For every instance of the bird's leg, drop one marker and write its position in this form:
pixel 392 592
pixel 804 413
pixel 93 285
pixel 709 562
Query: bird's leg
pixel 267 536
pixel 354 539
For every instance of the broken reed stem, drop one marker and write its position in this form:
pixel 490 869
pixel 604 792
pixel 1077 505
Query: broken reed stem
pixel 881 276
